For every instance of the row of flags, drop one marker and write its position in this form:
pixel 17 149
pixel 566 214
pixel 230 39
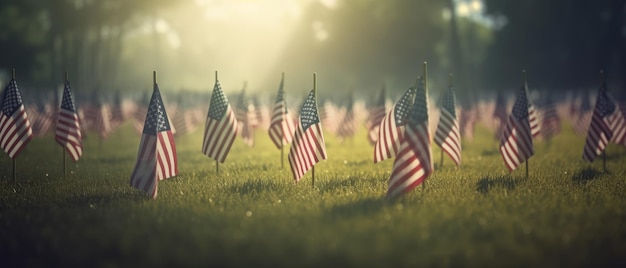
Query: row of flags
pixel 402 132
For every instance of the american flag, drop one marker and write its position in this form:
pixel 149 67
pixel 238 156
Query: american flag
pixel 468 119
pixel 221 126
pixel 500 115
pixel 68 128
pixel 347 127
pixel 413 163
pixel 282 126
pixel 308 146
pixel 375 116
pixel 535 124
pixel 15 130
pixel 601 126
pixel 245 119
pixel 447 135
pixel 156 159
pixel 392 127
pixel 516 144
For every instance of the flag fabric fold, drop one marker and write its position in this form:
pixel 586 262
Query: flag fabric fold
pixel 68 132
pixel 413 164
pixel 447 135
pixel 156 158
pixel 282 127
pixel 221 126
pixel 308 146
pixel 15 129
pixel 392 127
pixel 516 144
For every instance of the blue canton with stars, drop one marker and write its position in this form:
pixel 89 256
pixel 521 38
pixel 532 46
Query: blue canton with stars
pixel 605 103
pixel 156 117
pixel 449 100
pixel 520 108
pixel 219 103
pixel 401 109
pixel 419 112
pixel 280 97
pixel 67 103
pixel 308 113
pixel 12 99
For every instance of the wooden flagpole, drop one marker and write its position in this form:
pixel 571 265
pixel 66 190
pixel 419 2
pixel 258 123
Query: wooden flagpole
pixel 425 89
pixel 14 162
pixel 217 164
pixel 282 154
pixel 64 162
pixel 525 86
pixel 315 98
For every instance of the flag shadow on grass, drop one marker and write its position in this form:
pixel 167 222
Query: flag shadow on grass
pixel 485 184
pixel 585 175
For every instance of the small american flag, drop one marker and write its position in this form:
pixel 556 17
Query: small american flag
pixel 376 114
pixel 447 135
pixel 601 126
pixel 156 159
pixel 68 128
pixel 308 146
pixel 282 126
pixel 15 130
pixel 221 126
pixel 392 127
pixel 516 144
pixel 413 164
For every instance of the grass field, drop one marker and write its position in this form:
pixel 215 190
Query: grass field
pixel 568 213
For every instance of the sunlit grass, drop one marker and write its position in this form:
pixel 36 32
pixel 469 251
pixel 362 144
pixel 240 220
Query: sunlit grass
pixel 567 213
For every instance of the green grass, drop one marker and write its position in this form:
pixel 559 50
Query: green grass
pixel 568 213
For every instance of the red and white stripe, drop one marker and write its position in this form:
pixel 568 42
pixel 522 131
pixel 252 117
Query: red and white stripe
pixel 15 132
pixel 219 135
pixel 68 133
pixel 282 126
pixel 448 136
pixel 413 163
pixel 156 161
pixel 389 138
pixel 516 145
pixel 307 149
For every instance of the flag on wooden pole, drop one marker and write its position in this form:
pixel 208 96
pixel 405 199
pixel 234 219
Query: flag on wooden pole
pixel 600 129
pixel 282 126
pixel 221 126
pixel 447 135
pixel 15 130
pixel 68 128
pixel 156 159
pixel 413 164
pixel 392 127
pixel 516 144
pixel 308 146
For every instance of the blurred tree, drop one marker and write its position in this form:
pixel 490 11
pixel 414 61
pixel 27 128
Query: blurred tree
pixel 561 43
